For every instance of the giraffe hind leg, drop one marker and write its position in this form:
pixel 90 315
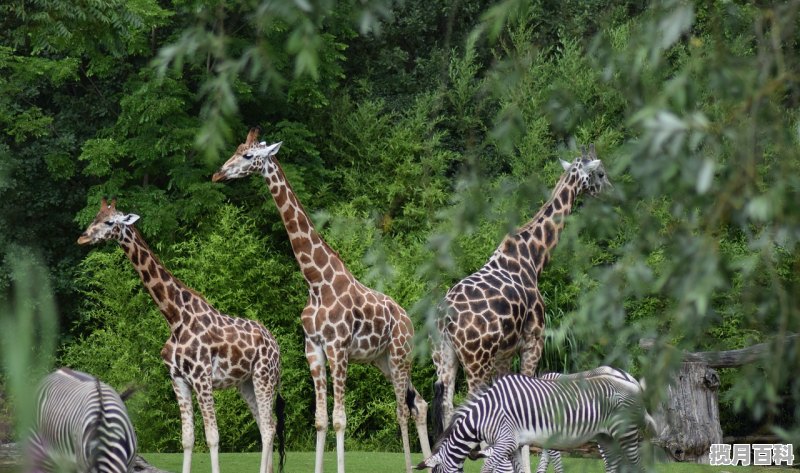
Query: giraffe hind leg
pixel 446 361
pixel 265 395
pixel 183 393
pixel 396 369
pixel 205 400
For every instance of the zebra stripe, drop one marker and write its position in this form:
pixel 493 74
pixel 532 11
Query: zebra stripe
pixel 603 405
pixel 81 423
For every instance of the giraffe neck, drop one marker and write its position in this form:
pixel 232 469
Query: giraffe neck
pixel 312 252
pixel 169 292
pixel 531 244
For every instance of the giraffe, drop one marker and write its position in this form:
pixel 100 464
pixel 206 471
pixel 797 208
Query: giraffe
pixel 497 311
pixel 206 349
pixel 343 320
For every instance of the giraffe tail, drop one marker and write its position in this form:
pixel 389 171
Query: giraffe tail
pixel 437 413
pixel 411 397
pixel 280 429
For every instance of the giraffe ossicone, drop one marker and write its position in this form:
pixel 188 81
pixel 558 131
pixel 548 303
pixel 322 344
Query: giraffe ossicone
pixel 343 320
pixel 206 349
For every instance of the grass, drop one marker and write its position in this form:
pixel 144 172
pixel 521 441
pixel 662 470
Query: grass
pixel 382 462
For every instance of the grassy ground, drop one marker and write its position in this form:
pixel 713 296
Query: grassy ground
pixel 371 462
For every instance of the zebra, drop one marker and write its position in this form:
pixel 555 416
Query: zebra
pixel 81 425
pixel 554 456
pixel 604 405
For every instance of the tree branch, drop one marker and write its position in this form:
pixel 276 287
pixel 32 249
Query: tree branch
pixel 727 358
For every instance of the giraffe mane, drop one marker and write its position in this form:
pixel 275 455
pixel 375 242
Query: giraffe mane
pixel 157 260
pixel 303 210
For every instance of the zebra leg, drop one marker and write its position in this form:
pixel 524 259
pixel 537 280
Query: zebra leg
pixel 184 394
pixel 611 457
pixel 37 456
pixel 546 458
pixel 206 402
pixel 265 395
pixel 556 457
pixel 629 445
pixel 500 459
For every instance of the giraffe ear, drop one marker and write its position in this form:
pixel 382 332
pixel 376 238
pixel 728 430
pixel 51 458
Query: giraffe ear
pixel 272 149
pixel 129 219
pixel 565 164
pixel 592 165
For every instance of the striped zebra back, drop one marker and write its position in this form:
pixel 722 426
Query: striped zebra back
pixel 81 421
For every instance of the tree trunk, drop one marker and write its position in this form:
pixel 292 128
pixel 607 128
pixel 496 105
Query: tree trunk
pixel 688 419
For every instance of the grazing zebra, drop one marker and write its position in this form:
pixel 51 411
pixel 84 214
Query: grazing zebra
pixel 604 405
pixel 81 425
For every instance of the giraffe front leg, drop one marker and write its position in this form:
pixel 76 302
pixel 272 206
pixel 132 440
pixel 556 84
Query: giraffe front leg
pixel 316 363
pixel 184 394
pixel 206 402
pixel 338 364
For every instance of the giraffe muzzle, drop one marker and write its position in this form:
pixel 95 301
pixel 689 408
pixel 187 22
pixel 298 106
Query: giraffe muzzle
pixel 84 239
pixel 219 176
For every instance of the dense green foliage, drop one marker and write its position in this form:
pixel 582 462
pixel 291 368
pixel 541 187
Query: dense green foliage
pixel 417 135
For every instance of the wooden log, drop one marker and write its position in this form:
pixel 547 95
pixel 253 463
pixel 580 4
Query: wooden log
pixel 688 419
pixel 726 358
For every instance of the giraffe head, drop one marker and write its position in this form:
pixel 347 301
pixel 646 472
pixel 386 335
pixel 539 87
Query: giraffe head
pixel 592 177
pixel 250 157
pixel 108 224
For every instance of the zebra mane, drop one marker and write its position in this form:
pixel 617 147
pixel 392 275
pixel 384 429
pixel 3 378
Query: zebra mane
pixel 99 421
pixel 459 412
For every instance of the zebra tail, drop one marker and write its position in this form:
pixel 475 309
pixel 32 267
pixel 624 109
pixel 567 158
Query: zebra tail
pixel 436 409
pixel 280 429
pixel 128 392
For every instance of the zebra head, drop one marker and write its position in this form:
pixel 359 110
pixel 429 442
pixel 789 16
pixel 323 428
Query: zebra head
pixel 454 446
pixel 438 464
